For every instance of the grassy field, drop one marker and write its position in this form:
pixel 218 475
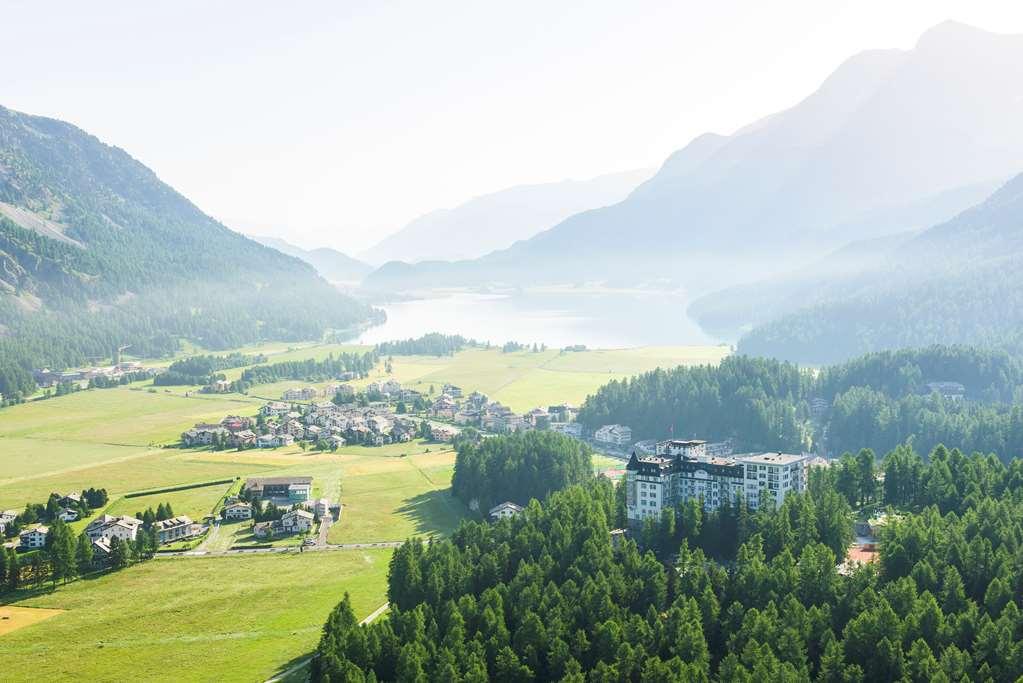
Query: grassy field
pixel 232 618
pixel 245 617
pixel 107 438
pixel 196 503
pixel 525 380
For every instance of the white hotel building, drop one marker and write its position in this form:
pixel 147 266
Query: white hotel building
pixel 682 470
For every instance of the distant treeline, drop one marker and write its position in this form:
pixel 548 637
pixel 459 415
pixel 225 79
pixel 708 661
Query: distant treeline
pixel 432 344
pixel 310 370
pixel 203 369
pixel 879 401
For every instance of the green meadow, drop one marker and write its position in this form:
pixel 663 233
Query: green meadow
pixel 230 618
pixel 248 617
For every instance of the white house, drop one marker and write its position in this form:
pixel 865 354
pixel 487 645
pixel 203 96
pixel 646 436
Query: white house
pixel 297 521
pixel 274 409
pixel 505 510
pixel 321 508
pixel 238 510
pixel 68 515
pixel 32 539
pixel 168 530
pixel 109 526
pixel 614 435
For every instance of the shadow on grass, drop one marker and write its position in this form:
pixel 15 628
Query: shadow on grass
pixel 302 674
pixel 433 512
pixel 27 592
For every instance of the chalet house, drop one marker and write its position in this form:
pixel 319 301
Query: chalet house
pixel 295 428
pixel 7 518
pixel 313 433
pixel 275 440
pixel 561 412
pixel 335 441
pixel 504 510
pixel 100 551
pixel 173 529
pixel 71 500
pixel 477 401
pixel 614 435
pixel 538 418
pixel 304 394
pixel 297 521
pixel 453 391
pixel 467 417
pixel 409 395
pixel 444 407
pixel 220 386
pixel 391 387
pixel 236 423
pixel 321 508
pixel 345 391
pixel 244 438
pixel 443 433
pixel 108 526
pixel 67 514
pixel 291 489
pixel 274 409
pixel 203 435
pixel 263 529
pixel 238 510
pixel 569 428
pixel 33 539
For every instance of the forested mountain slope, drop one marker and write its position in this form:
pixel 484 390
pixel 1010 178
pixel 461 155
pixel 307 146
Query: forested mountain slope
pixel 891 141
pixel 97 252
pixel 959 282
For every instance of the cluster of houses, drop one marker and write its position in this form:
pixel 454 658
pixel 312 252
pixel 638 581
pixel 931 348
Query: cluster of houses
pixel 476 410
pixel 281 491
pixel 373 425
pixel 45 377
pixel 102 530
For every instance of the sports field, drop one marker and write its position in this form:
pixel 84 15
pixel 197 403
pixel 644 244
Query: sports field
pixel 231 618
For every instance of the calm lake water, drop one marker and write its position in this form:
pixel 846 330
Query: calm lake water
pixel 556 318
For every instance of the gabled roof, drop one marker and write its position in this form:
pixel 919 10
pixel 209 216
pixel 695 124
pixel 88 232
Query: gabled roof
pixel 506 505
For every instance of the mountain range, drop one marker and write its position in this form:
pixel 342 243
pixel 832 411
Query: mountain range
pixel 96 252
pixel 329 263
pixel 958 282
pixel 893 140
pixel 499 219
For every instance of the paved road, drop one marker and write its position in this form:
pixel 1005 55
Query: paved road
pixel 305 662
pixel 325 523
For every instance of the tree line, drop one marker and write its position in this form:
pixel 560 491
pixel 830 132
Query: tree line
pixel 878 401
pixel 517 467
pixel 547 595
pixel 90 499
pixel 204 369
pixel 431 344
pixel 309 370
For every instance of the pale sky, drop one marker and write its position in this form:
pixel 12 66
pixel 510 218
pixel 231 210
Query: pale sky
pixel 335 123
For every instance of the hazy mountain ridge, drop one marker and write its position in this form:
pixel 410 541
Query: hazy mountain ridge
pixel 877 147
pixel 98 252
pixel 499 219
pixel 329 263
pixel 958 282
